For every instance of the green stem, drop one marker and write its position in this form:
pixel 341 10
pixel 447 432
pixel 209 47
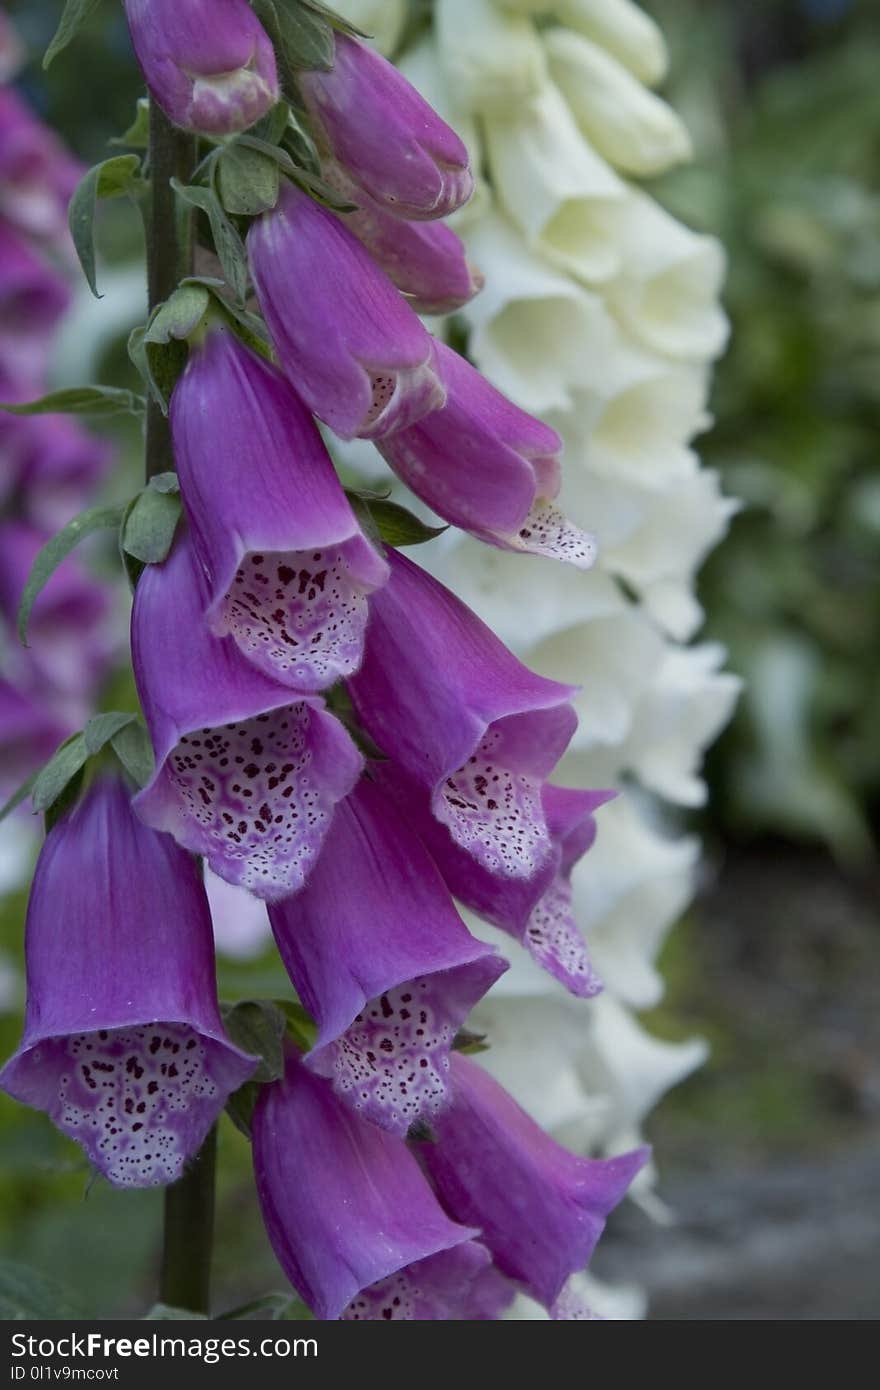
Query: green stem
pixel 169 251
pixel 185 1281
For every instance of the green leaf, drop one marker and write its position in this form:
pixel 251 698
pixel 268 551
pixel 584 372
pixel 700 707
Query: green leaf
pixel 137 136
pixel 75 14
pixel 344 26
pixel 64 764
pixel 179 315
pixel 149 528
pixel 247 180
pixel 165 482
pixel 133 749
pixel 110 179
pixel 300 1025
pixel 26 1295
pixel 303 38
pixel 227 242
pixel 163 1312
pixel 82 400
pixel 57 549
pixel 273 125
pixel 258 1026
pixel 240 1107
pixel 392 523
pixel 273 1307
pixel 101 728
pixel 160 364
pixel 19 796
pixel 249 327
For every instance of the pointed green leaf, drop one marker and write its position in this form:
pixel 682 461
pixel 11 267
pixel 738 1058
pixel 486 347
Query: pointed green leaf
pixel 393 523
pixel 258 1026
pixel 249 327
pixel 227 242
pixel 74 15
pixel 133 749
pixel 179 315
pixel 82 400
pixel 57 549
pixel 102 727
pixel 273 125
pixel 149 528
pixel 64 764
pixel 344 26
pixel 110 179
pixel 302 37
pixel 247 180
pixel 137 137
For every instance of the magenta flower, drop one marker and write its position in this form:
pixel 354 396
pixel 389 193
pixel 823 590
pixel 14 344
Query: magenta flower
pixel 30 731
pixel 388 138
pixel 33 298
pixel 351 1218
pixel 245 775
pixel 37 175
pixel 123 1045
pixel 54 464
pixel 537 912
pixel 540 1209
pixel 425 260
pixel 459 715
pixel 485 465
pixel 288 566
pixel 384 964
pixel 208 63
pixel 354 349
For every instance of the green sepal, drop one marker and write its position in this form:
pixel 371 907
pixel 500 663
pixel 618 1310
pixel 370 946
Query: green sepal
pixel 112 178
pixel 227 242
pixel 149 527
pixel 63 766
pixel 82 400
pixel 248 180
pixel 390 522
pixel 101 728
pixel 50 556
pixel 301 36
pixel 132 746
pixel 137 137
pixel 258 1027
pixel 74 15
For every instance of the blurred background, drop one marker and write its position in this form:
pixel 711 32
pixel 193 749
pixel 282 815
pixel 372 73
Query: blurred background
pixel 769 1155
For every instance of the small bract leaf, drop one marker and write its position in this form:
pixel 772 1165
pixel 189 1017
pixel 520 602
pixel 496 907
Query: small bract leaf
pixel 247 180
pixel 137 137
pixel 179 315
pixel 302 37
pixel 64 764
pixel 57 549
pixel 110 179
pixel 82 400
pixel 74 15
pixel 258 1026
pixel 149 528
pixel 102 727
pixel 133 749
pixel 227 242
pixel 393 523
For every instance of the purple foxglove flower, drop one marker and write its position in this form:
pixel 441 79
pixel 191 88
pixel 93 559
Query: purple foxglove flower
pixel 387 137
pixel 537 911
pixel 58 465
pixel 11 49
pixel 485 465
pixel 208 63
pixel 541 1209
pixel 383 963
pixel 288 566
pixel 354 1224
pixel 457 713
pixel 425 260
pixel 37 175
pixel 244 775
pixel 33 297
pixel 123 1045
pixel 30 731
pixel 353 348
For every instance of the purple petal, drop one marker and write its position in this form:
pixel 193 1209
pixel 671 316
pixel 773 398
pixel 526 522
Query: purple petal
pixel 354 349
pixel 288 566
pixel 243 776
pixel 456 1285
pixel 384 964
pixel 123 1045
pixel 541 1209
pixel 37 175
pixel 386 135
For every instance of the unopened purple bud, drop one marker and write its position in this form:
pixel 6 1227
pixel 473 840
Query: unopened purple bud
pixel 485 465
pixel 353 348
pixel 123 1045
pixel 462 717
pixel 208 63
pixel 383 963
pixel 386 135
pixel 288 566
pixel 354 1224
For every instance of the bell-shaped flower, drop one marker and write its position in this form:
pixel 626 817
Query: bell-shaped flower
pixel 37 175
pixel 538 911
pixel 458 714
pixel 492 60
pixel 425 260
pixel 383 963
pixel 355 351
pixel 396 1255
pixel 208 63
pixel 30 731
pixel 486 466
pixel 620 26
pixel 123 1046
pixel 33 298
pixel 245 775
pixel 288 567
pixel 387 136
pixel 540 1209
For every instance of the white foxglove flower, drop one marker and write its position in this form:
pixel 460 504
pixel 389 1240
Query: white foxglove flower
pixel 561 194
pixel 632 128
pixel 618 25
pixel 381 20
pixel 492 61
pixel 532 327
pixel 667 291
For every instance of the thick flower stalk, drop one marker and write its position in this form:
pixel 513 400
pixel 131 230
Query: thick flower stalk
pixel 123 1045
pixel 247 771
pixel 208 63
pixel 288 566
pixel 383 963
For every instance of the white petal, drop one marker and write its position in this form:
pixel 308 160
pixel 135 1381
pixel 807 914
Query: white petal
pixel 241 924
pixel 492 61
pixel 382 20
